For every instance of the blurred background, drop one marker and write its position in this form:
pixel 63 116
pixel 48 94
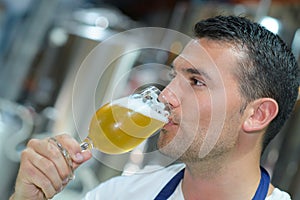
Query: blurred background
pixel 43 43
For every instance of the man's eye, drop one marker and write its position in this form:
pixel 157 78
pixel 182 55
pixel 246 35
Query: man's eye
pixel 197 82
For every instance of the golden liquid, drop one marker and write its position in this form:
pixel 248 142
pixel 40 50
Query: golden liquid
pixel 115 129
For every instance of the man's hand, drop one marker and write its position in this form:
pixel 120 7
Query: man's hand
pixel 44 170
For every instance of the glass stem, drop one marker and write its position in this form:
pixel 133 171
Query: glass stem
pixel 86 144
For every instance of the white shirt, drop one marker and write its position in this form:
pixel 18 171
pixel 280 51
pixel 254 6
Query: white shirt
pixel 146 184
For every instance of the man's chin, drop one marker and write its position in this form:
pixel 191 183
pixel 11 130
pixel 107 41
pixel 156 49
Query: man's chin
pixel 166 148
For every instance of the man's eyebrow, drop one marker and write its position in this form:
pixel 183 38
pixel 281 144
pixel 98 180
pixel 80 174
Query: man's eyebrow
pixel 192 70
pixel 197 72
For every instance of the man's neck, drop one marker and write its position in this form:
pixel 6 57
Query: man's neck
pixel 221 179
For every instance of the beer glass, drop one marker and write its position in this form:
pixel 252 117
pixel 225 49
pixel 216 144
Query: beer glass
pixel 121 125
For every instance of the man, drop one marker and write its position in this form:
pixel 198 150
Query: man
pixel 233 88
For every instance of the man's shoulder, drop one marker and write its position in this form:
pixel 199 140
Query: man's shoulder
pixel 278 194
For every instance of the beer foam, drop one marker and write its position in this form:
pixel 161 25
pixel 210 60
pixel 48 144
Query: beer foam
pixel 137 105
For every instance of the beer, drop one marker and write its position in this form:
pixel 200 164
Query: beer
pixel 120 126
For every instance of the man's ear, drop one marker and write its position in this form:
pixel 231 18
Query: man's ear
pixel 259 114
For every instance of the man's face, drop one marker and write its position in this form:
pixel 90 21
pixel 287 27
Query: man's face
pixel 205 103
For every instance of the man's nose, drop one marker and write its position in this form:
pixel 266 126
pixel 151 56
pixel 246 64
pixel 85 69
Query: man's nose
pixel 169 97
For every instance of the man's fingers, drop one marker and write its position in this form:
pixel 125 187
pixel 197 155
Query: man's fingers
pixel 51 153
pixel 73 147
pixel 81 157
pixel 48 168
pixel 32 175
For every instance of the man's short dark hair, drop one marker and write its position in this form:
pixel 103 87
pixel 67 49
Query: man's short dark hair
pixel 267 66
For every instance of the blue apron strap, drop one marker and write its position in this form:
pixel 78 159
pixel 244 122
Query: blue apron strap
pixel 263 187
pixel 170 187
pixel 260 194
